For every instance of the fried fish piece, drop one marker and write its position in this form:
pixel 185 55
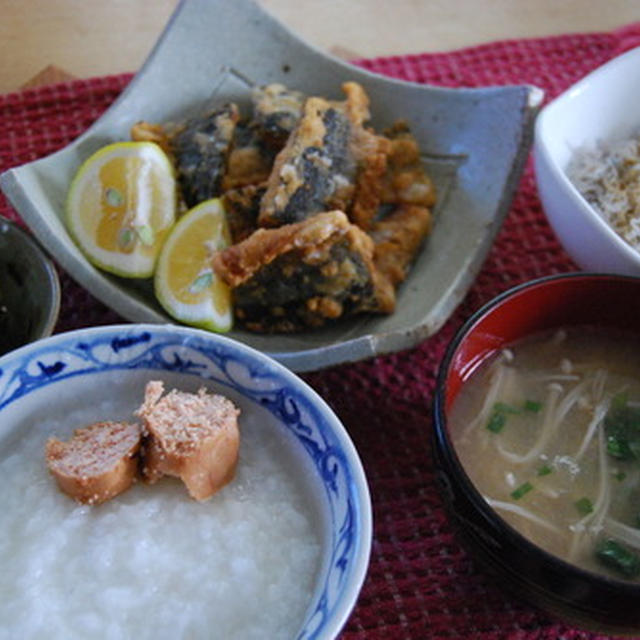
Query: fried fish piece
pixel 242 206
pixel 398 238
pixel 201 147
pixel 370 183
pixel 151 132
pixel 406 182
pixel 249 160
pixel 276 112
pixel 317 168
pixel 304 275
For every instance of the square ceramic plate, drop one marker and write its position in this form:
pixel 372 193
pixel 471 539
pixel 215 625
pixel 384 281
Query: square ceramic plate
pixel 475 142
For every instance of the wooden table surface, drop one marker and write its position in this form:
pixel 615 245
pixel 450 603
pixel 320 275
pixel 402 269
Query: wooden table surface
pixel 85 38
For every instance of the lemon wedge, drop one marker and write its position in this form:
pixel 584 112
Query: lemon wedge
pixel 185 283
pixel 121 205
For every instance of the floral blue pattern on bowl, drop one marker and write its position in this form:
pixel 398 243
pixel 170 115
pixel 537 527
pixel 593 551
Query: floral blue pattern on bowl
pixel 226 364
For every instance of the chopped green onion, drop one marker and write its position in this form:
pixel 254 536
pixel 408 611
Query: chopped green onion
pixel 545 470
pixel 619 558
pixel 503 407
pixel 532 406
pixel 501 410
pixel 522 490
pixel 619 401
pixel 496 422
pixel 499 416
pixel 584 506
pixel 622 429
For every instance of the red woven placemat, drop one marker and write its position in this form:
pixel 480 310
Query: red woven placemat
pixel 421 582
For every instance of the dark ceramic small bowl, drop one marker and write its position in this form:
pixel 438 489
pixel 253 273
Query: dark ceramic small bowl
pixel 580 597
pixel 29 289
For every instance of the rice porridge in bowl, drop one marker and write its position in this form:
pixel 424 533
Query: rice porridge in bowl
pixel 280 551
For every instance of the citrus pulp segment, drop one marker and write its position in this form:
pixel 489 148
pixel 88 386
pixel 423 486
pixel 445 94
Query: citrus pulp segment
pixel 121 205
pixel 185 282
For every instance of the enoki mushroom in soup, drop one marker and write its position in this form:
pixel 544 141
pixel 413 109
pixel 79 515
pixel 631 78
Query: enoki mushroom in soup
pixel 549 432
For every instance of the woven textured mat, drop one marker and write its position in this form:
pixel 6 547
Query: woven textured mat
pixel 421 582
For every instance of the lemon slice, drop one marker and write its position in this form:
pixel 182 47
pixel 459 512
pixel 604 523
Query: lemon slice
pixel 121 205
pixel 185 283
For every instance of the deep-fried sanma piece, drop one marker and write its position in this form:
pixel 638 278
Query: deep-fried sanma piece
pixel 304 275
pixel 316 170
pixel 398 238
pixel 276 112
pixel 200 148
pixel 406 181
pixel 242 206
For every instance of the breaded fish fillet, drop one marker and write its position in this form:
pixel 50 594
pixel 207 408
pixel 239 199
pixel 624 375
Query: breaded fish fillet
pixel 316 171
pixel 304 275
pixel 276 112
pixel 201 148
pixel 398 238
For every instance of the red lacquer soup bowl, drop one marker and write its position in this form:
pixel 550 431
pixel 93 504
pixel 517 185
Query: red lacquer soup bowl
pixel 581 597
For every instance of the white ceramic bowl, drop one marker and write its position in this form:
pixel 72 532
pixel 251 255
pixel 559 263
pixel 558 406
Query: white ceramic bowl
pixel 60 375
pixel 600 107
pixel 474 141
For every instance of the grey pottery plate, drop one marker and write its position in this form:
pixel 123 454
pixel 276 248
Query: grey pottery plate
pixel 475 143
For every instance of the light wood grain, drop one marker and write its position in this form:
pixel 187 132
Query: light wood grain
pixel 87 38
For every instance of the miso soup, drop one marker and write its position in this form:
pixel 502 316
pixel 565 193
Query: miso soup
pixel 549 432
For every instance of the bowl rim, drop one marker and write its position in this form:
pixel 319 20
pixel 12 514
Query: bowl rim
pixel 445 445
pixel 52 280
pixel 79 340
pixel 542 152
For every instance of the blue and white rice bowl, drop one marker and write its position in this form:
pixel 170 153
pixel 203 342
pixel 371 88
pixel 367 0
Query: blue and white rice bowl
pixel 52 385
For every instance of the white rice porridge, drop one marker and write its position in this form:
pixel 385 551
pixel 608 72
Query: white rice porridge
pixel 152 563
